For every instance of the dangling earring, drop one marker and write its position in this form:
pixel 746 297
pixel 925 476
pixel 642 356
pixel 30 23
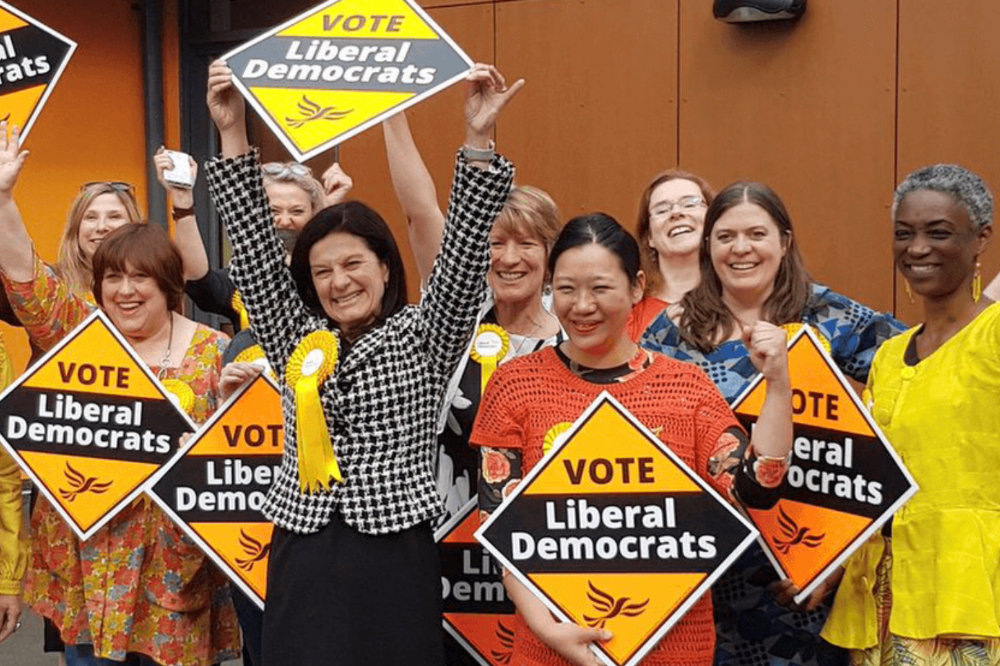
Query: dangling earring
pixel 906 288
pixel 977 284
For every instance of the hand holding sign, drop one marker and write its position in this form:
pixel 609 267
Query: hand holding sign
pixel 11 158
pixel 486 94
pixel 227 108
pixel 235 375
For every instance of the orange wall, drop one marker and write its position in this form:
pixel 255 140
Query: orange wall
pixel 92 127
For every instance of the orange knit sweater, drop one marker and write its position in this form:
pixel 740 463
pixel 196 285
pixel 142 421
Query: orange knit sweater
pixel 529 395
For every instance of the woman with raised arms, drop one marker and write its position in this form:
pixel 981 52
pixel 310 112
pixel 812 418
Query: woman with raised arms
pixel 596 281
pixel 752 273
pixel 354 574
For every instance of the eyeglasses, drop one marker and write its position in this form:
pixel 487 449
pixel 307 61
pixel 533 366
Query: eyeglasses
pixel 116 185
pixel 688 203
pixel 279 170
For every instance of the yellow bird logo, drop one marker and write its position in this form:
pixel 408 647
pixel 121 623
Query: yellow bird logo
pixel 794 534
pixel 611 607
pixel 255 550
pixel 310 111
pixel 506 637
pixel 80 484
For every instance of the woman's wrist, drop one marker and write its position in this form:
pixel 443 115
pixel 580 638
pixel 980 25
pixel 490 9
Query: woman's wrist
pixel 478 140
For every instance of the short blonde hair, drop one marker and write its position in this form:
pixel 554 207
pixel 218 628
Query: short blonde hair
pixel 73 265
pixel 529 209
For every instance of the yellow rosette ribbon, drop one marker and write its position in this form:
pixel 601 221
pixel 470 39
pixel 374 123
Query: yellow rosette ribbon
pixel 237 305
pixel 309 366
pixel 553 436
pixel 489 347
pixel 254 355
pixel 180 393
pixel 794 327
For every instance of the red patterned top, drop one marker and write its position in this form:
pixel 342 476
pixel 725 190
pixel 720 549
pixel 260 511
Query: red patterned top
pixel 138 585
pixel 527 396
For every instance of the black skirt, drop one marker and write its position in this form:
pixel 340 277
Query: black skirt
pixel 342 597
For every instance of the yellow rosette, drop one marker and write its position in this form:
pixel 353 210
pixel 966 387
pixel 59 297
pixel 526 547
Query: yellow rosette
pixel 309 366
pixel 180 393
pixel 489 347
pixel 254 355
pixel 237 305
pixel 552 437
pixel 794 327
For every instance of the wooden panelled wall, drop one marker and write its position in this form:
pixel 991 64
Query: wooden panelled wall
pixel 832 111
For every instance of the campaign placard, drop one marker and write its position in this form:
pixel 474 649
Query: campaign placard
pixel 477 615
pixel 612 530
pixel 215 489
pixel 90 424
pixel 844 480
pixel 343 66
pixel 32 58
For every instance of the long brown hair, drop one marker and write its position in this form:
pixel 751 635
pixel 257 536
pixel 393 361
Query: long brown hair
pixel 706 319
pixel 648 255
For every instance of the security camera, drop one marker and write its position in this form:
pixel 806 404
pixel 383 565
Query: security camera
pixel 747 11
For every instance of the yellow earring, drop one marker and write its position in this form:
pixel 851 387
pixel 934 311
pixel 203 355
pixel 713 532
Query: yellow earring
pixel 909 294
pixel 977 284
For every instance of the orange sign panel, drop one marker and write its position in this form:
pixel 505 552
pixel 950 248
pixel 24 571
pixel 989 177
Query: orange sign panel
pixel 90 425
pixel 612 530
pixel 477 615
pixel 845 481
pixel 215 490
pixel 343 66
pixel 32 58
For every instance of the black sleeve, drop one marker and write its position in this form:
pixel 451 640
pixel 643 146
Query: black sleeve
pixel 214 293
pixel 6 311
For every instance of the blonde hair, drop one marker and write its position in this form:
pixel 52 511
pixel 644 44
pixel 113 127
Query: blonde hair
pixel 532 210
pixel 73 265
pixel 299 175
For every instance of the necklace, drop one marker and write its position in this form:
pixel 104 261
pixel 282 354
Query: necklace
pixel 166 354
pixel 525 337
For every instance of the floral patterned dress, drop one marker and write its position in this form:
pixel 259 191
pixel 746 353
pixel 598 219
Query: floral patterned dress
pixel 138 585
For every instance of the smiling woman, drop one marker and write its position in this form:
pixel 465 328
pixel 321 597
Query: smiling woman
pixel 751 273
pixel 138 589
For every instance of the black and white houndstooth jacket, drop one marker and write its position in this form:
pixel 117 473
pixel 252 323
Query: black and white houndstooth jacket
pixel 382 400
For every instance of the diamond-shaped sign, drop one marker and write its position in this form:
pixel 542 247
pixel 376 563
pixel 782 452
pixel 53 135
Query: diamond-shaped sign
pixel 215 489
pixel 611 529
pixel 91 425
pixel 32 58
pixel 343 66
pixel 477 614
pixel 845 480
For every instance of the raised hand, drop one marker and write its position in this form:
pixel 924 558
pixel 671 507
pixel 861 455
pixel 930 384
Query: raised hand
pixel 768 346
pixel 486 94
pixel 182 197
pixel 225 103
pixel 336 185
pixel 11 158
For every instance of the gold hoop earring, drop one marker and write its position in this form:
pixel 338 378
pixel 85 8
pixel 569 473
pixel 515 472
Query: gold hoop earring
pixel 977 284
pixel 906 288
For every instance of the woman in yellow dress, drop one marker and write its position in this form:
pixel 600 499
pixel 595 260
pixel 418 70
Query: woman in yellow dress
pixel 925 591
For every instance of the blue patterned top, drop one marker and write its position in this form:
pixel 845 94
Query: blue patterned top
pixel 752 629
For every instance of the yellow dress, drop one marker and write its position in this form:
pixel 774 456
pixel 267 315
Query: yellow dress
pixel 13 549
pixel 942 416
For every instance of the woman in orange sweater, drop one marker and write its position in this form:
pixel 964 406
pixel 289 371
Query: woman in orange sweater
pixel 596 281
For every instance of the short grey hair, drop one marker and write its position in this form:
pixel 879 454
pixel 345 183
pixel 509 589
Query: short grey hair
pixel 967 188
